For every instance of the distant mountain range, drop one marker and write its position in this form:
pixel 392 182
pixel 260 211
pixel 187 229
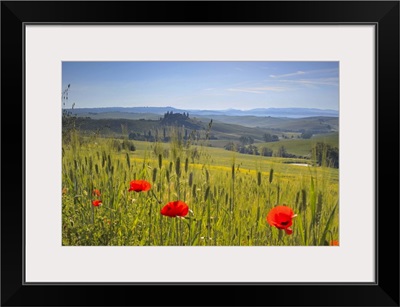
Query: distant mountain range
pixel 262 112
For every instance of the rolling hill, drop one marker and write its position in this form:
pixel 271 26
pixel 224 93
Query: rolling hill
pixel 220 130
pixel 126 112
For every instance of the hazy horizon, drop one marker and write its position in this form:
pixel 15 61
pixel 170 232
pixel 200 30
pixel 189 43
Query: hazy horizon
pixel 238 109
pixel 219 85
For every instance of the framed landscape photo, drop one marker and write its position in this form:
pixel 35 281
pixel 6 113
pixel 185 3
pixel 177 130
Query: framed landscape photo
pixel 243 146
pixel 177 163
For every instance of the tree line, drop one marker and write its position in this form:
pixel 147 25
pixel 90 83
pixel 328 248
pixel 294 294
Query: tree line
pixel 322 153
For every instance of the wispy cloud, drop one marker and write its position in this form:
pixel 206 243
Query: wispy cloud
pixel 288 75
pixel 300 72
pixel 259 90
pixel 313 82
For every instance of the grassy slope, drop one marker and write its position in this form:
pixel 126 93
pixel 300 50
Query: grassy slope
pixel 247 121
pixel 300 147
pixel 226 209
pixel 222 131
pixel 283 123
pixel 222 159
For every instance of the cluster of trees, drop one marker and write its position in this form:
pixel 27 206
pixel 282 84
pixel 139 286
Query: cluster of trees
pixel 282 152
pixel 266 152
pixel 165 135
pixel 306 135
pixel 270 137
pixel 246 140
pixel 172 115
pixel 124 145
pixel 263 151
pixel 178 120
pixel 322 153
pixel 242 148
pixel 145 136
pixel 326 155
pixel 172 125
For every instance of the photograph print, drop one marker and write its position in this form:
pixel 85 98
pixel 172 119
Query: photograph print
pixel 200 153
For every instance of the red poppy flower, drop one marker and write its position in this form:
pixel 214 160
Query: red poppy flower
pixel 334 243
pixel 175 208
pixel 97 202
pixel 139 186
pixel 281 217
pixel 96 193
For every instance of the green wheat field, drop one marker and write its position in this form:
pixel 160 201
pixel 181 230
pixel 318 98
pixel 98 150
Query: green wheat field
pixel 229 194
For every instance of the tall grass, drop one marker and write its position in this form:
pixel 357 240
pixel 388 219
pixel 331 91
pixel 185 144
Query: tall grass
pixel 228 204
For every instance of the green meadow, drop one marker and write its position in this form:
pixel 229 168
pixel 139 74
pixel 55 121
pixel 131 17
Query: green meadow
pixel 229 194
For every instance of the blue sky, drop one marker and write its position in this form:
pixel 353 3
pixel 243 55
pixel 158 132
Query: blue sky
pixel 203 85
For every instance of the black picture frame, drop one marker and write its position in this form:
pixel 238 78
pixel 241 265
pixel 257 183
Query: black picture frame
pixel 383 14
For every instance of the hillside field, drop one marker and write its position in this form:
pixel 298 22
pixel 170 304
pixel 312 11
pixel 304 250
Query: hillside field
pixel 229 195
